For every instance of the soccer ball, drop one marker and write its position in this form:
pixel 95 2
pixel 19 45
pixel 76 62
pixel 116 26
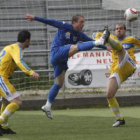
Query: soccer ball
pixel 131 14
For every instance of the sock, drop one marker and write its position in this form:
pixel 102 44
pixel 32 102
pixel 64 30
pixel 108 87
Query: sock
pixel 2 108
pixel 115 44
pixel 114 106
pixel 5 123
pixel 48 105
pixel 5 126
pixel 9 110
pixel 53 93
pixel 86 45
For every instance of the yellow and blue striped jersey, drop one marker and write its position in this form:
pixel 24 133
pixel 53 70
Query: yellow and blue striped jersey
pixel 128 43
pixel 11 57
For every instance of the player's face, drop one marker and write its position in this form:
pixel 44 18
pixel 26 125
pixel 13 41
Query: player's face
pixel 78 26
pixel 120 31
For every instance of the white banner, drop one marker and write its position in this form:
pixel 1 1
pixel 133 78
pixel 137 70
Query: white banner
pixel 90 69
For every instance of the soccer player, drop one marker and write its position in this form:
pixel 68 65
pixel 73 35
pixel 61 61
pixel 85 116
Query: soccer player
pixel 64 46
pixel 11 57
pixel 123 65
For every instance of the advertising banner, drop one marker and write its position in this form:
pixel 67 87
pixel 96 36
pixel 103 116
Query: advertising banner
pixel 91 69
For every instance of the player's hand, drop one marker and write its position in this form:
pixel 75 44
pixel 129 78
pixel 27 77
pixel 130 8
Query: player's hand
pixel 35 76
pixel 30 17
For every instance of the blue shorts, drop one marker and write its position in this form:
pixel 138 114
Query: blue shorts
pixel 58 58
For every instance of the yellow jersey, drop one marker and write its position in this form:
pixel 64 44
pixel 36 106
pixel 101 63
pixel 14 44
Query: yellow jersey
pixel 11 57
pixel 128 43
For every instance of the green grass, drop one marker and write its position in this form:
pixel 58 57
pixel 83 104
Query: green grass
pixel 74 124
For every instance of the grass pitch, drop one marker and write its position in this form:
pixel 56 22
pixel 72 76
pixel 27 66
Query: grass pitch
pixel 74 124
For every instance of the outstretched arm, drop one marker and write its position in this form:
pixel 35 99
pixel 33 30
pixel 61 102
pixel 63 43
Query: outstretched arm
pixel 51 22
pixel 16 54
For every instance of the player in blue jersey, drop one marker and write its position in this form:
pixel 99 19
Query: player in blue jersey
pixel 10 57
pixel 64 45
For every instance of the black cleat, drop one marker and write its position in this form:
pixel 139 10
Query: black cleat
pixel 7 131
pixel 0 131
pixel 106 35
pixel 119 123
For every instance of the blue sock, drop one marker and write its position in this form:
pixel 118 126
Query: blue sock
pixel 85 46
pixel 53 92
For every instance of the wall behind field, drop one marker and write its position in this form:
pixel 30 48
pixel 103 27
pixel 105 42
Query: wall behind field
pixel 120 4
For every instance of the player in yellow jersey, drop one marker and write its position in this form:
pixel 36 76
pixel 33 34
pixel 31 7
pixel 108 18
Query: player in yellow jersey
pixel 11 57
pixel 123 65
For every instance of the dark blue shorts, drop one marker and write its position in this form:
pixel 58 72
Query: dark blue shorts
pixel 59 57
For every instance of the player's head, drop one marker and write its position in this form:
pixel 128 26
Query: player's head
pixel 120 30
pixel 24 37
pixel 78 22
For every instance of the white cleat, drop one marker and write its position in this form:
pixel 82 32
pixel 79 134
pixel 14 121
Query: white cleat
pixel 119 123
pixel 47 111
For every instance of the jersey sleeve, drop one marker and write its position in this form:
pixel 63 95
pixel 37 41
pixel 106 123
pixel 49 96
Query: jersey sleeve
pixel 17 56
pixel 52 22
pixel 136 41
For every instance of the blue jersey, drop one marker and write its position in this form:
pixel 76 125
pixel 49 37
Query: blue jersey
pixel 65 34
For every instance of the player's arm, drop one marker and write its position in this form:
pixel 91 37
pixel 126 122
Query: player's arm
pixel 136 41
pixel 17 56
pixel 51 22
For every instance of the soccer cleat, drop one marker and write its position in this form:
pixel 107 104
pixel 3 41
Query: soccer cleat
pixel 105 36
pixel 47 111
pixel 104 39
pixel 7 131
pixel 119 123
pixel 0 131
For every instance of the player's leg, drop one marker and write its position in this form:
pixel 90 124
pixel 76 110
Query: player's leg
pixel 8 91
pixel 10 109
pixel 121 72
pixel 5 128
pixel 59 58
pixel 3 106
pixel 112 88
pixel 53 93
pixel 115 44
pixel 85 46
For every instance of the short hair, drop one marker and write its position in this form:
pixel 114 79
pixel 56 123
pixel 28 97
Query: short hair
pixel 23 35
pixel 121 24
pixel 76 17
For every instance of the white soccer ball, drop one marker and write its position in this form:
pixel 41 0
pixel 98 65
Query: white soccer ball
pixel 131 14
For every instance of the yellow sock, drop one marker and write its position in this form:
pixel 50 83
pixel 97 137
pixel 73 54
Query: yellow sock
pixel 115 44
pixel 5 127
pixel 2 108
pixel 114 106
pixel 9 110
pixel 5 123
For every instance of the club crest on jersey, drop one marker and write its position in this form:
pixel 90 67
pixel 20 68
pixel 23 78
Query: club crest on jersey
pixel 74 38
pixel 67 35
